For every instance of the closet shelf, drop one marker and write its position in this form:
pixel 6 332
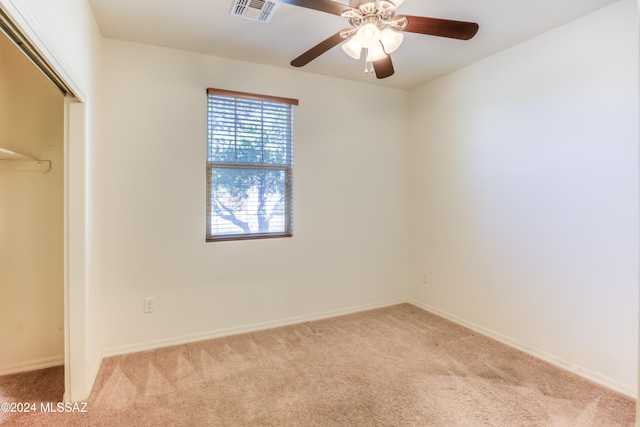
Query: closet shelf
pixel 12 161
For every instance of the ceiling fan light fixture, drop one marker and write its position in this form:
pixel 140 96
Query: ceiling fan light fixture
pixel 375 53
pixel 390 39
pixel 352 47
pixel 368 35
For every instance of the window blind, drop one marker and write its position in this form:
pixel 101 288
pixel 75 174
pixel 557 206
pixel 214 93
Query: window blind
pixel 249 165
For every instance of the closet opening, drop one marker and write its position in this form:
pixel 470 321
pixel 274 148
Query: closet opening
pixel 34 224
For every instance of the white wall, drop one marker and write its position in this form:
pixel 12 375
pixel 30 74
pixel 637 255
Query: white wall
pixel 66 34
pixel 525 195
pixel 31 218
pixel 349 248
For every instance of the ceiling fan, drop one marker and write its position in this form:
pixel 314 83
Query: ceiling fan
pixel 376 29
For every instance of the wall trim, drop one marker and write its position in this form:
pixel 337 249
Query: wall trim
pixel 236 330
pixel 31 365
pixel 590 375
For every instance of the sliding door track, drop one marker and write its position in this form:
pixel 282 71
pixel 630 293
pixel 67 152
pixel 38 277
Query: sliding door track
pixel 25 46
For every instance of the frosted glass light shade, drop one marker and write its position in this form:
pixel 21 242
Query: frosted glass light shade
pixel 375 53
pixel 352 47
pixel 368 35
pixel 390 39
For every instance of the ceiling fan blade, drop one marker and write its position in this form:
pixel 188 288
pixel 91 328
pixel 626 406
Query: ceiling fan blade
pixel 321 5
pixel 460 30
pixel 383 67
pixel 318 50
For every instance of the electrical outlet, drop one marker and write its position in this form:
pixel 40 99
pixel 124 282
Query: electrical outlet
pixel 149 305
pixel 424 277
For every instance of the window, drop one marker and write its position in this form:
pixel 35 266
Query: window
pixel 249 166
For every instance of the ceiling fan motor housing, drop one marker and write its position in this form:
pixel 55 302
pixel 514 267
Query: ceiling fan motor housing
pixel 357 3
pixel 379 13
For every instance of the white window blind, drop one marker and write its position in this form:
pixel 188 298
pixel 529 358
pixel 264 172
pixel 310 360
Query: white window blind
pixel 249 166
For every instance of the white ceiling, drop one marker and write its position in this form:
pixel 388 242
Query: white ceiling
pixel 206 26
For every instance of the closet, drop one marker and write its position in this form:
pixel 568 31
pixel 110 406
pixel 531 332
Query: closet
pixel 31 215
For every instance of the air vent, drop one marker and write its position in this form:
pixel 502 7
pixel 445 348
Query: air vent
pixel 254 10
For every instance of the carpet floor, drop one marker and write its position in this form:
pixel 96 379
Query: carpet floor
pixel 395 366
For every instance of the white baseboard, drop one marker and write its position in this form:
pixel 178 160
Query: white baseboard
pixel 254 327
pixel 561 363
pixel 31 365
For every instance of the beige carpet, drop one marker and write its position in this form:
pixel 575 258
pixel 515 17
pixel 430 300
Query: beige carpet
pixel 397 366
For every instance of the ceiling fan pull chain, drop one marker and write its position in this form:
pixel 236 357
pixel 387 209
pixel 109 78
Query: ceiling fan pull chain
pixel 368 67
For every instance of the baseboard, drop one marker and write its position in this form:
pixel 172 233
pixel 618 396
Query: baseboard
pixel 31 365
pixel 254 327
pixel 597 378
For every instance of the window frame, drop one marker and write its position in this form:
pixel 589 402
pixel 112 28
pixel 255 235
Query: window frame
pixel 287 168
